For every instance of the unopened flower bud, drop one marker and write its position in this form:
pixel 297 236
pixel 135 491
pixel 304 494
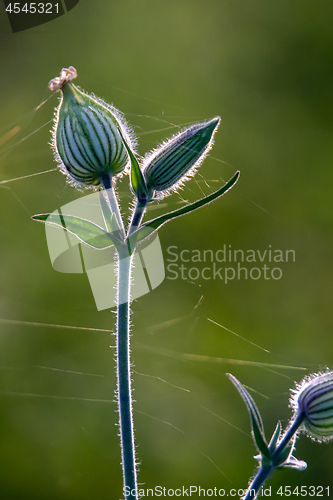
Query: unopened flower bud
pixel 167 167
pixel 86 139
pixel 313 399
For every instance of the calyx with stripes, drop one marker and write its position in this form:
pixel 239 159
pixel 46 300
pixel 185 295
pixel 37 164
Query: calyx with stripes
pixel 86 139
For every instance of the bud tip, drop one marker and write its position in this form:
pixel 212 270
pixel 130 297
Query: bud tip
pixel 66 75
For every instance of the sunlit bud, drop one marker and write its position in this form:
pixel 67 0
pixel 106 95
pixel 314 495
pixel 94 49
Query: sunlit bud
pixel 175 161
pixel 313 399
pixel 86 140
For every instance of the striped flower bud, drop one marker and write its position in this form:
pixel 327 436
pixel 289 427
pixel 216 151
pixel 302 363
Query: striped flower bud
pixel 86 140
pixel 173 162
pixel 313 400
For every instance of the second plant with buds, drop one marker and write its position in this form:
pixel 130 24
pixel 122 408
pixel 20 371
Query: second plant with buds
pixel 312 403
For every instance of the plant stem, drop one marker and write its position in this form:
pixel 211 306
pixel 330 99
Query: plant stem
pixel 109 189
pixel 260 478
pixel 135 223
pixel 124 375
pixel 288 435
pixel 137 216
pixel 124 393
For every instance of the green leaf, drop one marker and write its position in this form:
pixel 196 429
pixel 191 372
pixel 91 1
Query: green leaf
pixel 149 227
pixel 275 437
pixel 89 233
pixel 138 182
pixel 256 420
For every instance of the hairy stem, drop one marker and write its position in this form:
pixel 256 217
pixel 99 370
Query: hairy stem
pixel 137 216
pixel 135 223
pixel 125 406
pixel 289 434
pixel 260 478
pixel 124 375
pixel 112 197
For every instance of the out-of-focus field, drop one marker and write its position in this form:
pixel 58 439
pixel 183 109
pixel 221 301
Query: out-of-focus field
pixel 266 68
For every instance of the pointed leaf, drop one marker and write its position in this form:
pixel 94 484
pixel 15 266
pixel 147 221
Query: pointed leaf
pixel 138 182
pixel 275 437
pixel 149 227
pixel 89 233
pixel 256 421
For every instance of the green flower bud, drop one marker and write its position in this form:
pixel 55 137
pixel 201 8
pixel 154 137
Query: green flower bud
pixel 86 139
pixel 313 400
pixel 172 163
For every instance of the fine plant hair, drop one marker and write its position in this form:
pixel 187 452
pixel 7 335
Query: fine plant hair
pixel 93 147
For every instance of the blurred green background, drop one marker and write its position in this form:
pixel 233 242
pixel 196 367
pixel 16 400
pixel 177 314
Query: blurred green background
pixel 266 68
